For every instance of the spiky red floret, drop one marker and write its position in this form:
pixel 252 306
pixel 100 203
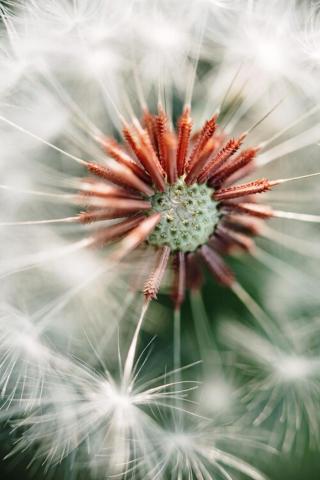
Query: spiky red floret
pixel 161 156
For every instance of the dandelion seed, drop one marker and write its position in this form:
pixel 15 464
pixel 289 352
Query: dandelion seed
pixel 26 362
pixel 186 451
pixel 83 411
pixel 282 381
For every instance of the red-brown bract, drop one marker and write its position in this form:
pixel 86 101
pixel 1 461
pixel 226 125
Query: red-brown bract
pixel 154 155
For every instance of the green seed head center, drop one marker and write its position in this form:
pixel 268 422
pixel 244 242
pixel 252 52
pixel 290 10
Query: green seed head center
pixel 189 216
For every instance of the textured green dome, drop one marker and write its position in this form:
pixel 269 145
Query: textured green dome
pixel 189 216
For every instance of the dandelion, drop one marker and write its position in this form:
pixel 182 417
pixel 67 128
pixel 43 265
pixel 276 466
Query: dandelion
pixel 205 451
pixel 281 380
pixel 25 360
pixel 102 419
pixel 175 189
pixel 148 146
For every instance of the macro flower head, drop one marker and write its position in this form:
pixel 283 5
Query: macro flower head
pixel 282 380
pixel 159 176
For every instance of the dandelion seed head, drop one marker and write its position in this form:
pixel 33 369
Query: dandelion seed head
pixel 134 134
pixel 191 450
pixel 283 379
pixel 154 156
pixel 271 50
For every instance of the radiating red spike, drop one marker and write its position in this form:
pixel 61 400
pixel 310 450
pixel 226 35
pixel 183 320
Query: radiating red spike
pixel 179 284
pixel 152 285
pixel 161 132
pixel 196 169
pixel 206 133
pixel 251 188
pixel 220 158
pixel 124 203
pixel 95 203
pixel 130 136
pixel 157 172
pixel 239 239
pixel 239 174
pixel 116 209
pixel 194 137
pixel 139 141
pixel 117 230
pixel 116 152
pixel 149 122
pixel 217 266
pixel 194 277
pixel 93 187
pixel 120 175
pixel 137 276
pixel 224 245
pixel 137 236
pixel 219 246
pixel 212 145
pixel 260 211
pixel 243 159
pixel 184 132
pixel 244 223
pixel 104 214
pixel 172 172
